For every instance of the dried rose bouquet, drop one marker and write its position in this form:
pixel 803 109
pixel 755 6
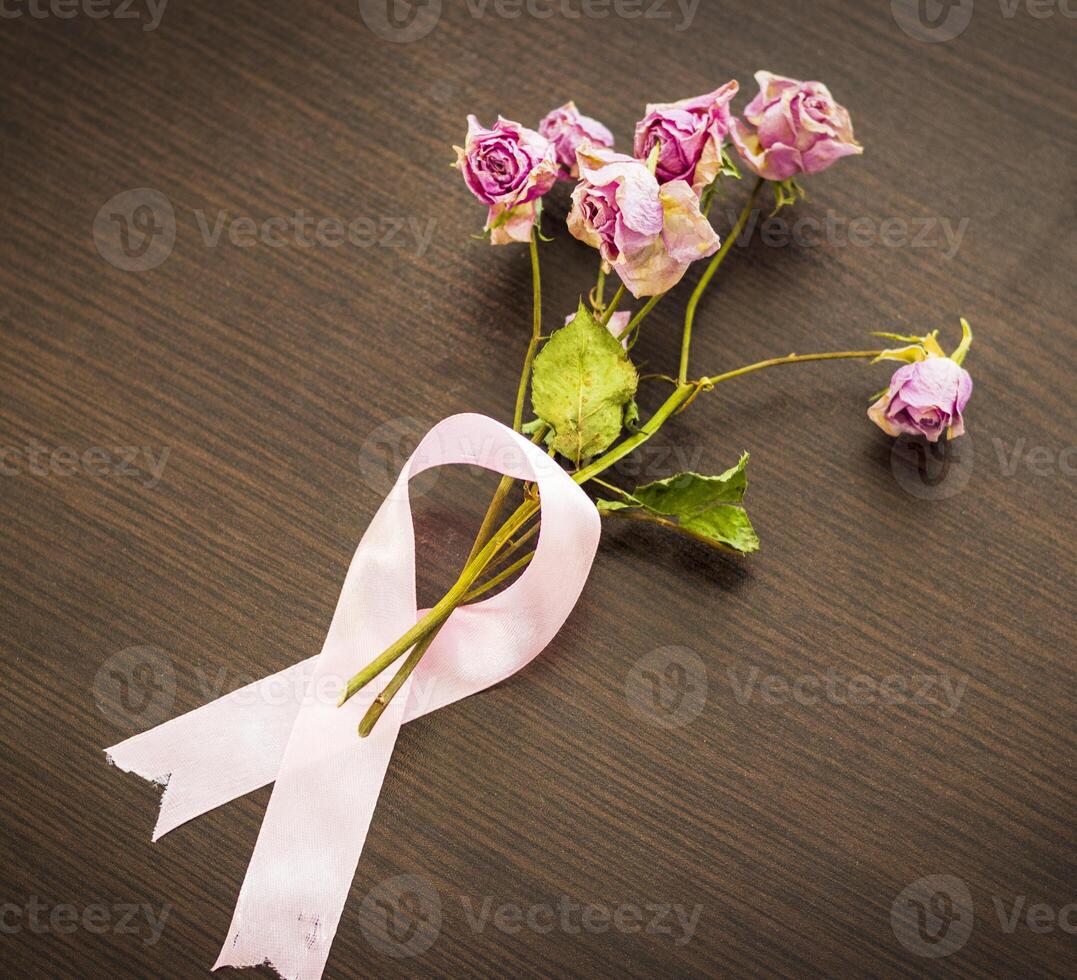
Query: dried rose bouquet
pixel 647 214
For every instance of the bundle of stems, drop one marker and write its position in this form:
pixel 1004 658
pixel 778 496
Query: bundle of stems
pixel 490 562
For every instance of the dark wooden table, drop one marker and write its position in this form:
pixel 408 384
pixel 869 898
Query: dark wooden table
pixel 885 694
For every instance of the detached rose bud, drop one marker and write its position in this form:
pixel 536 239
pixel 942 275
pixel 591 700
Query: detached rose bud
pixel 793 128
pixel 650 235
pixel 925 398
pixel 507 168
pixel 568 131
pixel 691 133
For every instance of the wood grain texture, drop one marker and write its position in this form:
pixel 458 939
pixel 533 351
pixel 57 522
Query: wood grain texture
pixel 285 383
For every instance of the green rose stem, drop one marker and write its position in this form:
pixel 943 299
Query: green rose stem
pixel 493 583
pixel 790 359
pixel 489 520
pixel 598 294
pixel 464 586
pixel 374 712
pixel 381 702
pixel 614 303
pixel 441 612
pixel 640 317
pixel 505 486
pixel 536 333
pixel 512 549
pixel 693 303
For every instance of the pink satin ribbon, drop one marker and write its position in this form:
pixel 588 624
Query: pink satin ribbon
pixel 287 729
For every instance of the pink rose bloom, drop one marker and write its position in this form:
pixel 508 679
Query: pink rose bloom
pixel 692 133
pixel 568 131
pixel 925 398
pixel 793 128
pixel 507 168
pixel 648 233
pixel 617 325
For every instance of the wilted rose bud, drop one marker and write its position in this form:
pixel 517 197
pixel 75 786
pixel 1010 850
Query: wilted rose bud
pixel 568 131
pixel 925 398
pixel 793 128
pixel 507 168
pixel 649 234
pixel 691 133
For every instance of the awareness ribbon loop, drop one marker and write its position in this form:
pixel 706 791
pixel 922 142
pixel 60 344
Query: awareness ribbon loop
pixel 326 779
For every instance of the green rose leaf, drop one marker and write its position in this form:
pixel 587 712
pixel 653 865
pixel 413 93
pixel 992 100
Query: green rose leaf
pixel 958 356
pixel 786 194
pixel 705 507
pixel 907 355
pixel 729 166
pixel 582 386
pixel 533 428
